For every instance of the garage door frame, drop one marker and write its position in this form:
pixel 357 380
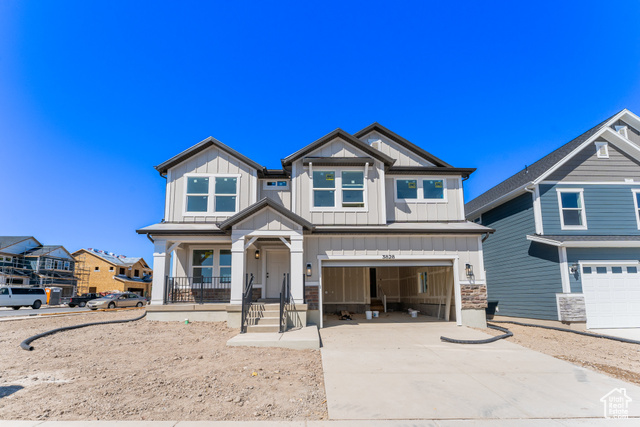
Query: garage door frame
pixel 602 263
pixel 389 261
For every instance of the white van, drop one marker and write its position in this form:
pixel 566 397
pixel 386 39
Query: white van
pixel 14 297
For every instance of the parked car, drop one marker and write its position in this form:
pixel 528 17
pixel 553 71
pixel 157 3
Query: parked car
pixel 126 299
pixel 82 300
pixel 16 297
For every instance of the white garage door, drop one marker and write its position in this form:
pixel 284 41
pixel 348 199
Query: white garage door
pixel 612 295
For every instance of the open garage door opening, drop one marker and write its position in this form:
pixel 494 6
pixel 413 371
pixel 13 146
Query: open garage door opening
pixel 427 289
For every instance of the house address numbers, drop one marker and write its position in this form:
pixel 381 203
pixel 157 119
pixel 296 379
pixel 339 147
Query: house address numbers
pixel 388 257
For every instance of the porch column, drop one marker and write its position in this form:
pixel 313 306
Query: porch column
pixel 297 269
pixel 161 266
pixel 237 268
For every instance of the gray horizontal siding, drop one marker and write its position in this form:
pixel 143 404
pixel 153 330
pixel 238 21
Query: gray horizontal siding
pixel 523 276
pixel 610 209
pixel 575 255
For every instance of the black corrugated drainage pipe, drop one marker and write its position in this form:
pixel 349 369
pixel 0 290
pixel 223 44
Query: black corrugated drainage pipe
pixel 507 334
pixel 586 334
pixel 25 344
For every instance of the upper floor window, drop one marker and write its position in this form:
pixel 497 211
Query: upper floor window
pixel 276 185
pixel 636 203
pixel 136 273
pixel 602 150
pixel 421 189
pixel 572 212
pixel 203 197
pixel 341 189
pixel 121 271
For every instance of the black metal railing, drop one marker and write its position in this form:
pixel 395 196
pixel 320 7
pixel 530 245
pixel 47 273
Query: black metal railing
pixel 285 298
pixel 247 297
pixel 199 290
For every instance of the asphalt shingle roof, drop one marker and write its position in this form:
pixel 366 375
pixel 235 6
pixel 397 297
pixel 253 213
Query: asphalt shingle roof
pixel 6 241
pixel 531 172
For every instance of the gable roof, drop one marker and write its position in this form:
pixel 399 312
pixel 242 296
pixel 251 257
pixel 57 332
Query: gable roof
pixel 338 133
pixel 532 172
pixel 263 204
pixel 121 261
pixel 377 127
pixel 6 241
pixel 46 249
pixel 201 146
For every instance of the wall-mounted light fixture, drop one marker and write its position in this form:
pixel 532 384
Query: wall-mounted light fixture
pixel 574 268
pixel 309 269
pixel 468 268
pixel 257 254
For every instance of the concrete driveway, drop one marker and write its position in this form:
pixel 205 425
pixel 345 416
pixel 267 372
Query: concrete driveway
pixel 397 368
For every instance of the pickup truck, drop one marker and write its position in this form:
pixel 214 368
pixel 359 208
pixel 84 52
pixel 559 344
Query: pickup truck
pixel 81 300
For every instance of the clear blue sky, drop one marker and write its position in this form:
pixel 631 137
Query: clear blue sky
pixel 93 94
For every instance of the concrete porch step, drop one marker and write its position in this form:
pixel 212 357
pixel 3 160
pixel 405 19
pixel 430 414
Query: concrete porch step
pixel 264 313
pixel 266 321
pixel 263 328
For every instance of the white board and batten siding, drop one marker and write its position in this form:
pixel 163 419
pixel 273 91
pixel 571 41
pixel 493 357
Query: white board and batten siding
pixel 268 219
pixel 304 192
pixel 378 249
pixel 210 161
pixel 396 151
pixel 407 211
pixel 282 197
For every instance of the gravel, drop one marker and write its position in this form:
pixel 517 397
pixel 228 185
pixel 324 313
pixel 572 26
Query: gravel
pixel 616 359
pixel 149 370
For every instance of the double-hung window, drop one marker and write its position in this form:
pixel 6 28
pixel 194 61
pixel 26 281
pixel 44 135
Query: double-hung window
pixel 636 203
pixel 202 265
pixel 421 189
pixel 212 195
pixel 572 212
pixel 338 189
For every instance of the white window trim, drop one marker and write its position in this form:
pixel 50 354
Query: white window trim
pixel 420 185
pixel 634 192
pixel 583 213
pixel 337 196
pixel 211 194
pixel 276 188
pixel 602 149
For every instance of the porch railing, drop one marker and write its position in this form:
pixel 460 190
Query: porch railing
pixel 247 298
pixel 198 290
pixel 285 293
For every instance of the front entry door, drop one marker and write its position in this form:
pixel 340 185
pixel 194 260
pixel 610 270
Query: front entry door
pixel 277 266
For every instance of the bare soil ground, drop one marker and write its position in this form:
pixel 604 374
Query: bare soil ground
pixel 148 370
pixel 616 359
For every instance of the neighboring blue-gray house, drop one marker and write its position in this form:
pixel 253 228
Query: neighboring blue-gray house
pixel 567 240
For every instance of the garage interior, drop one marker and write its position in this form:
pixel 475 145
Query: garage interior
pixel 428 289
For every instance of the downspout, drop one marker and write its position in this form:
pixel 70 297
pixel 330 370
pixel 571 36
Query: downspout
pixel 149 237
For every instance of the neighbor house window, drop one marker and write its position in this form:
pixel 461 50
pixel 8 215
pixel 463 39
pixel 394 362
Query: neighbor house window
pixel 636 203
pixel 324 193
pixel 572 213
pixel 96 268
pixel 136 273
pixel 67 265
pixel 421 189
pixel 202 265
pixel 197 194
pixel 48 264
pixel 121 271
pixel 226 190
pixel 225 266
pixel 111 268
pixel 275 185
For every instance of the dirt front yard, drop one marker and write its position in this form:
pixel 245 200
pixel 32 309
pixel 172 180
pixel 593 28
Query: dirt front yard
pixel 149 370
pixel 613 358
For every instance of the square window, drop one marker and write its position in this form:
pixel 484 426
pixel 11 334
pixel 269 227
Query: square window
pixel 433 189
pixel 324 179
pixel 197 194
pixel 407 188
pixel 226 185
pixel 111 268
pixel 197 185
pixel 323 198
pixel 225 203
pixel 197 203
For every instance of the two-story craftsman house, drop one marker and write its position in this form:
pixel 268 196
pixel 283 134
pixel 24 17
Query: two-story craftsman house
pixel 354 222
pixel 567 240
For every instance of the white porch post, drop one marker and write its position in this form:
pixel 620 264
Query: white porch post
pixel 161 267
pixel 297 269
pixel 237 268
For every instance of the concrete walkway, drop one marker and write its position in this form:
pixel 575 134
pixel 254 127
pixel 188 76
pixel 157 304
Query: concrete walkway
pixel 582 422
pixel 397 368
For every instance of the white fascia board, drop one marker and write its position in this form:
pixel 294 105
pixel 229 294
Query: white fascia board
pixel 581 147
pixel 587 244
pixel 631 118
pixel 500 200
pixel 614 137
pixel 544 241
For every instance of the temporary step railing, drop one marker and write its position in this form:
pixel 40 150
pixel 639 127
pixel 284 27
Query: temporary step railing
pixel 198 290
pixel 284 300
pixel 247 297
pixel 383 298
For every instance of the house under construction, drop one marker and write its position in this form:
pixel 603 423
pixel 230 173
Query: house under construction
pixel 24 261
